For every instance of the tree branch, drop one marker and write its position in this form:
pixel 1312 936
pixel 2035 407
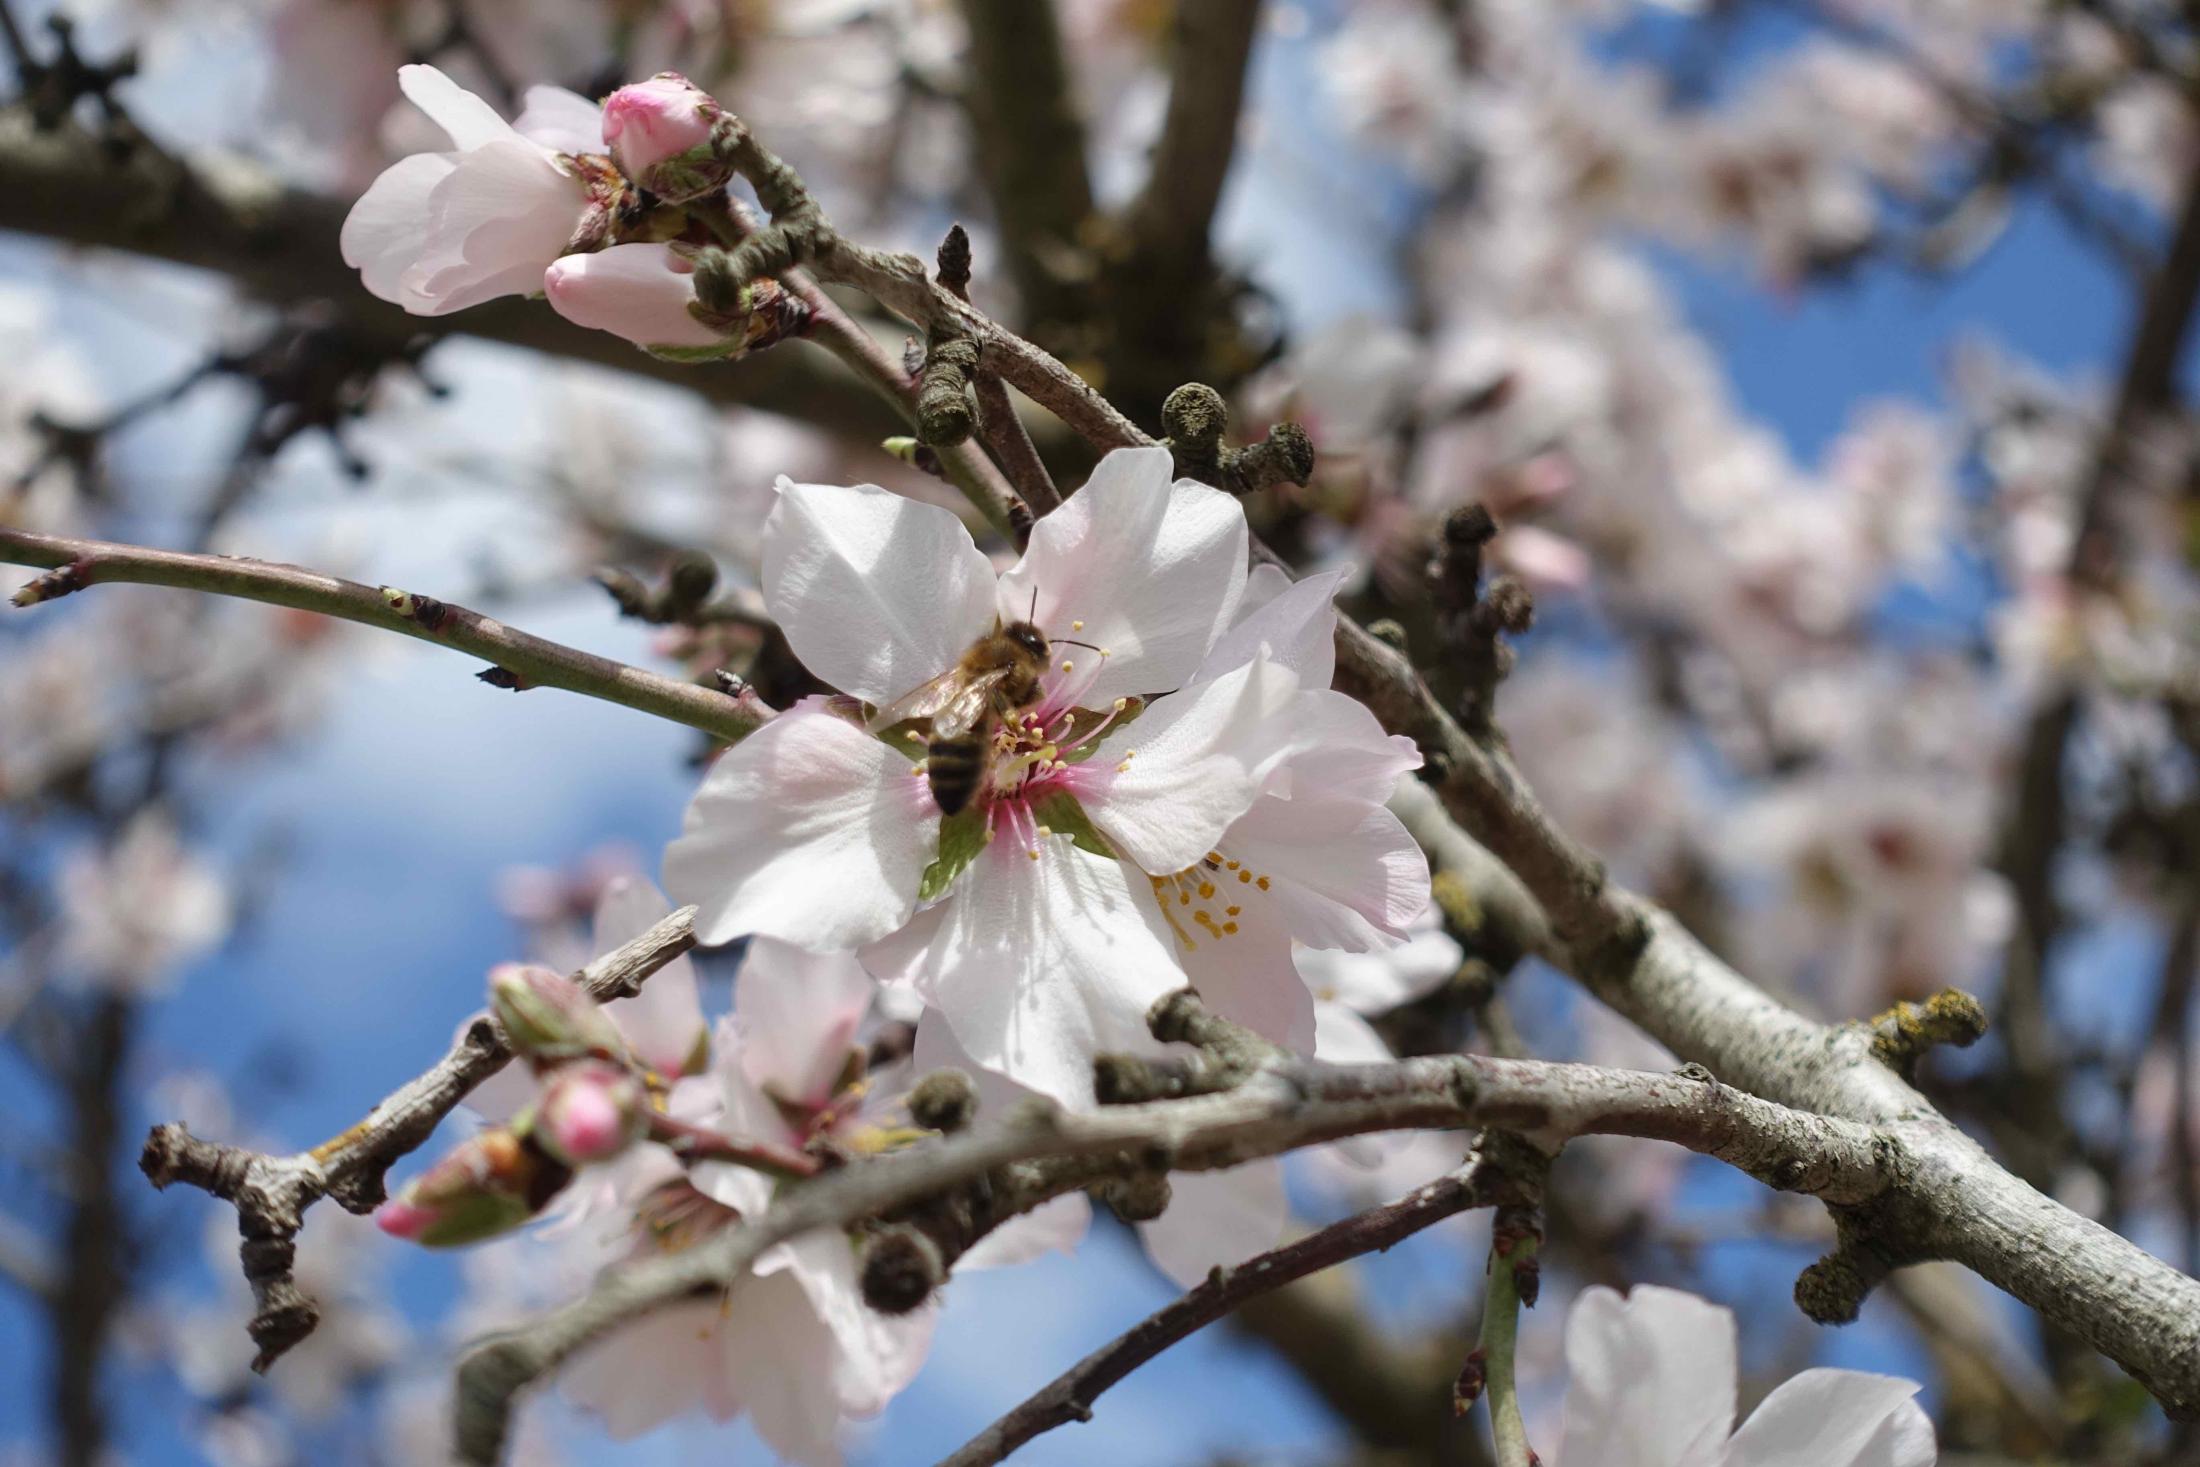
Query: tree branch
pixel 1289 1104
pixel 1070 1396
pixel 272 1193
pixel 527 660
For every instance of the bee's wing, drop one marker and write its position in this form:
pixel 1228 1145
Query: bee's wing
pixel 953 701
pixel 961 713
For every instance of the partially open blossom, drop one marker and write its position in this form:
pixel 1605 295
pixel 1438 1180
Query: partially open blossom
pixel 589 1113
pixel 488 1184
pixel 659 134
pixel 1653 1382
pixel 646 294
pixel 438 232
pixel 1045 917
pixel 548 1018
pixel 791 1344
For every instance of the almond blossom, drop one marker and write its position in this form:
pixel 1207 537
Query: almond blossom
pixel 792 1345
pixel 1653 1383
pixel 1104 844
pixel 439 232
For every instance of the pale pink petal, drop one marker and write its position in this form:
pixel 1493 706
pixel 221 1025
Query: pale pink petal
pixel 795 1015
pixel 1295 623
pixel 470 121
pixel 663 1365
pixel 1651 1379
pixel 1904 1439
pixel 1237 952
pixel 877 594
pixel 1043 963
pixel 1165 788
pixel 562 121
pixel 784 1358
pixel 1335 743
pixel 810 831
pixel 663 1022
pixel 1055 1226
pixel 875 1355
pixel 1345 875
pixel 1823 1418
pixel 387 230
pixel 1153 569
pixel 1377 982
pixel 504 1094
pixel 504 210
pixel 1217 1219
pixel 1342 1037
pixel 639 292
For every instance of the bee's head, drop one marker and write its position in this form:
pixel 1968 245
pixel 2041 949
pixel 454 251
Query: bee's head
pixel 1028 636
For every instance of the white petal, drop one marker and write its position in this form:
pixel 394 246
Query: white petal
pixel 470 121
pixel 562 121
pixel 1055 1226
pixel 1338 749
pixel 1236 951
pixel 663 1022
pixel 1165 788
pixel 810 831
pixel 1377 982
pixel 1216 1219
pixel 386 232
pixel 1823 1418
pixel 1342 1037
pixel 501 218
pixel 661 1366
pixel 1040 964
pixel 784 1359
pixel 877 594
pixel 1295 622
pixel 1154 570
pixel 875 1355
pixel 1904 1439
pixel 795 1017
pixel 1652 1379
pixel 1355 885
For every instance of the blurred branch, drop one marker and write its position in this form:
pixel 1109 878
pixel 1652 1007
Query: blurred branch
pixel 519 660
pixel 1070 1396
pixel 24 1260
pixel 280 245
pixel 272 1193
pixel 93 1277
pixel 2148 386
pixel 1031 147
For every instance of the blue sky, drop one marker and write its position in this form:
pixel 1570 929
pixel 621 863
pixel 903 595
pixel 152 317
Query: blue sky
pixel 395 823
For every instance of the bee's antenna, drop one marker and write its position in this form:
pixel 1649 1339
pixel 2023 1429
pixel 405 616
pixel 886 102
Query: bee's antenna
pixel 1066 642
pixel 1034 612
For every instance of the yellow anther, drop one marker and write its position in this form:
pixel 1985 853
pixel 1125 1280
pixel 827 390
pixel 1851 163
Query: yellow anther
pixel 1068 666
pixel 1206 889
pixel 1264 883
pixel 1231 911
pixel 1248 876
pixel 1076 626
pixel 1228 928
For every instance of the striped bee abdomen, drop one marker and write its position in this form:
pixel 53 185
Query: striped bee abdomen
pixel 951 768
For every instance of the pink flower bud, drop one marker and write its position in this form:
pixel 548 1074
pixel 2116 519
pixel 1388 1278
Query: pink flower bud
pixel 548 1018
pixel 637 291
pixel 659 133
pixel 485 1186
pixel 589 1113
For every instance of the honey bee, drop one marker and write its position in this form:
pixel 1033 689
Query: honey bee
pixel 998 675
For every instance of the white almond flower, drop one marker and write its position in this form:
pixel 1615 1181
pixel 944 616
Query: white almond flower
pixel 130 915
pixel 1653 1385
pixel 1046 916
pixel 439 232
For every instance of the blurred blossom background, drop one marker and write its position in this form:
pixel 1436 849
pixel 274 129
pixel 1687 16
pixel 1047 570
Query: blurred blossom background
pixel 1822 361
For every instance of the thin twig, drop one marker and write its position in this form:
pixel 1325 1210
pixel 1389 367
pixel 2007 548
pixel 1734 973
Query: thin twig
pixel 530 661
pixel 1070 1395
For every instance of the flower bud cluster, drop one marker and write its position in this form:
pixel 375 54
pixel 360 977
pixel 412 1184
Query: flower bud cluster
pixel 593 1105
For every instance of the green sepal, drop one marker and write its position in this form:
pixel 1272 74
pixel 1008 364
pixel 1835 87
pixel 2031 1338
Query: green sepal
pixel 962 836
pixel 1061 814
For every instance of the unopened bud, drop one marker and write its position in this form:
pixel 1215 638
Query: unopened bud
pixel 900 1269
pixel 486 1186
pixel 589 1113
pixel 944 1100
pixel 548 1018
pixel 641 292
pixel 659 133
